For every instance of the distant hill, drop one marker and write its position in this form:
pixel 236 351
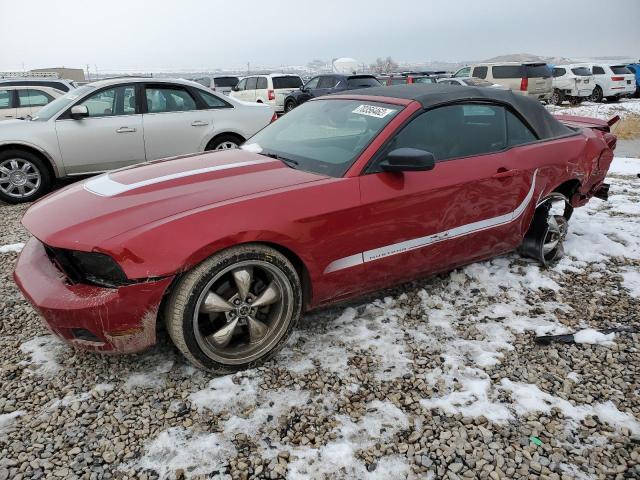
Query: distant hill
pixel 528 57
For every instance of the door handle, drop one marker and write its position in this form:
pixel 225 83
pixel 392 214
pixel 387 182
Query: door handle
pixel 8 116
pixel 125 130
pixel 199 123
pixel 504 173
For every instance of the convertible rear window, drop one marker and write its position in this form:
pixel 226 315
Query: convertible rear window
pixel 323 136
pixel 286 82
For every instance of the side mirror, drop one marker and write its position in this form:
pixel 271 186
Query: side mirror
pixel 235 89
pixel 79 111
pixel 303 88
pixel 408 160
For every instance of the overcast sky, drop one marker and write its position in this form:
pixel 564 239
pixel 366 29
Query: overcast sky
pixel 157 35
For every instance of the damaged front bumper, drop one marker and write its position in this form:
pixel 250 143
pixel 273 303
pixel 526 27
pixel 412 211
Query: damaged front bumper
pixel 109 320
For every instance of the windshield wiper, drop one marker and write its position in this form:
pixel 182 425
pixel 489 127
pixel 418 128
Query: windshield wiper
pixel 289 162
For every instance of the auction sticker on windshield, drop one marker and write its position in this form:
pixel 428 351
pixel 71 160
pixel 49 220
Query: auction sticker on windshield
pixel 373 111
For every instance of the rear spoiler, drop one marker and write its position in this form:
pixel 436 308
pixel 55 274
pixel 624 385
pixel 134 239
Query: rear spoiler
pixel 588 122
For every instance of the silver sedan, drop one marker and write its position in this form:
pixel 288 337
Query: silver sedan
pixel 115 123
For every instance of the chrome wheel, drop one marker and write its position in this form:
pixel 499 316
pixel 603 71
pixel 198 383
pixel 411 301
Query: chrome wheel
pixel 556 233
pixel 227 145
pixel 243 312
pixel 19 178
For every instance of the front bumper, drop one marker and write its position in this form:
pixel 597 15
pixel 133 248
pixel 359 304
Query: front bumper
pixel 109 320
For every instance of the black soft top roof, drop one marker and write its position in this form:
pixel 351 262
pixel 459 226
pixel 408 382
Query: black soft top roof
pixel 432 95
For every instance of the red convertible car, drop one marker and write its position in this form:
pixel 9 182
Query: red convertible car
pixel 343 195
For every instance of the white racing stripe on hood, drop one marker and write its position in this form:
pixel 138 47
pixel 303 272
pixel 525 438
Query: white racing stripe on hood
pixel 104 186
pixel 414 243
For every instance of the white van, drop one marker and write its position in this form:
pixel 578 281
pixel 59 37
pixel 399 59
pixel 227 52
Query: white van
pixel 271 89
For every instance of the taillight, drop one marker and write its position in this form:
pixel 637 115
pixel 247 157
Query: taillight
pixel 274 117
pixel 272 95
pixel 617 79
pixel 524 84
pixel 409 80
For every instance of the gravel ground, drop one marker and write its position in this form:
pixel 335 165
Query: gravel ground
pixel 439 378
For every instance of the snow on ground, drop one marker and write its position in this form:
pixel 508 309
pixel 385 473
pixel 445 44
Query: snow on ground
pixel 603 111
pixel 14 247
pixel 43 352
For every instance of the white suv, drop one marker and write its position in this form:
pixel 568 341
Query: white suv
pixel 24 101
pixel 115 123
pixel 270 89
pixel 573 83
pixel 613 82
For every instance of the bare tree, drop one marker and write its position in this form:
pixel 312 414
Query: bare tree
pixel 384 65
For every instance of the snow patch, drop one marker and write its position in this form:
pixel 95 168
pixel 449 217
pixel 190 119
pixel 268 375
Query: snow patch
pixel 7 420
pixel 593 337
pixel 14 247
pixel 43 352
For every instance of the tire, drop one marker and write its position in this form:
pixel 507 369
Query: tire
pixel 596 96
pixel 613 99
pixel 214 327
pixel 575 101
pixel 225 141
pixel 24 177
pixel 544 240
pixel 290 105
pixel 557 97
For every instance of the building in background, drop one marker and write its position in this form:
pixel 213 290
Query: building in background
pixel 345 65
pixel 75 74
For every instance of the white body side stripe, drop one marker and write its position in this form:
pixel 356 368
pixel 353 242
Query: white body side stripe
pixel 415 243
pixel 104 186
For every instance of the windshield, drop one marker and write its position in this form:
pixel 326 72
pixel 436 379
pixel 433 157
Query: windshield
pixel 60 103
pixel 620 70
pixel 323 136
pixel 423 80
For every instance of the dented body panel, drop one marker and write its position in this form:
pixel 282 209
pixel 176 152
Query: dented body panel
pixel 348 235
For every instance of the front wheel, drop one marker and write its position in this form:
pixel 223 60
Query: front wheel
pixel 236 309
pixel 290 105
pixel 24 177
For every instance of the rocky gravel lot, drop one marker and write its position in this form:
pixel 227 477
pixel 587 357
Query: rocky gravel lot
pixel 439 378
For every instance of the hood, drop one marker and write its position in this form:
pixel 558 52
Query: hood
pixel 87 213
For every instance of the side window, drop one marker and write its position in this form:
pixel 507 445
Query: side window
pixel 633 69
pixel 517 132
pixel 327 82
pixel 313 83
pixel 33 98
pixel 110 102
pixel 463 72
pixel 262 83
pixel 558 72
pixel 212 100
pixel 251 83
pixel 480 72
pixel 5 98
pixel 242 84
pixel 597 70
pixel 169 99
pixel 456 131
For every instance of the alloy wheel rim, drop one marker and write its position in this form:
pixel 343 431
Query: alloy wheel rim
pixel 226 145
pixel 19 178
pixel 556 232
pixel 243 312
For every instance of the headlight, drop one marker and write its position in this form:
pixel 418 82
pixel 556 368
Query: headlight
pixel 89 267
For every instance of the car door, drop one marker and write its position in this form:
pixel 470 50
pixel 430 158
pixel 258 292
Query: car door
pixel 325 85
pixel 173 124
pixel 110 137
pixel 310 89
pixel 250 89
pixel 466 208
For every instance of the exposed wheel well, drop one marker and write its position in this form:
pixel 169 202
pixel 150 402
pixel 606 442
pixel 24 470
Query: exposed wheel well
pixel 240 138
pixel 37 153
pixel 300 267
pixel 568 188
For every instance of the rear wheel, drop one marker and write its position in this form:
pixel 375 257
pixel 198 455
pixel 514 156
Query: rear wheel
pixel 236 309
pixel 613 99
pixel 596 95
pixel 290 105
pixel 24 177
pixel 557 97
pixel 545 239
pixel 224 142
